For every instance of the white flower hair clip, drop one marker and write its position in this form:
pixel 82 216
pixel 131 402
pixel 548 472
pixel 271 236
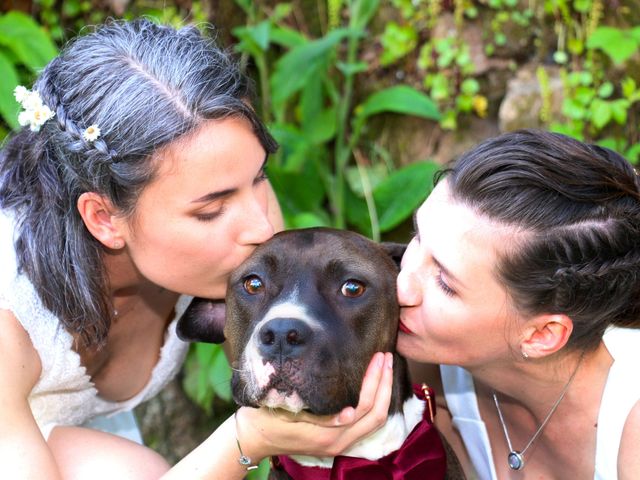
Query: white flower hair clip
pixel 34 113
pixel 91 133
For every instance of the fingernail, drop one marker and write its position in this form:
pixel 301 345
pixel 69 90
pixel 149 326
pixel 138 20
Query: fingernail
pixel 380 359
pixel 389 360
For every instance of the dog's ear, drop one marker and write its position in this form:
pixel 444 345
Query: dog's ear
pixel 394 250
pixel 202 321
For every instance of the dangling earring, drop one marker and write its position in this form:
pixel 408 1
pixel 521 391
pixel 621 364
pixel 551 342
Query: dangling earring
pixel 525 355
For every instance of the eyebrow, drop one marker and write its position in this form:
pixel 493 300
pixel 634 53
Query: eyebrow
pixel 212 196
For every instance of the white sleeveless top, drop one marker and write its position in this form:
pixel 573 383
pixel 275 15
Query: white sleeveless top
pixel 64 394
pixel 621 393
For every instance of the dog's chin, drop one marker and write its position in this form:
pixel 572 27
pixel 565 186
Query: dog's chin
pixel 285 400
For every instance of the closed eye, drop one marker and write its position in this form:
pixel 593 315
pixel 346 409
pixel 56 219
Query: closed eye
pixel 443 285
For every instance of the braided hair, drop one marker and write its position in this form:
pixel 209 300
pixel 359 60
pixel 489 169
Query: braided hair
pixel 575 209
pixel 144 85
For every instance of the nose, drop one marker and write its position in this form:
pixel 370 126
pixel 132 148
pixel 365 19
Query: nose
pixel 409 293
pixel 258 226
pixel 284 337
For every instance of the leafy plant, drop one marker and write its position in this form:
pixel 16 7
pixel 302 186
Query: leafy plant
pixel 594 104
pixel 25 48
pixel 307 90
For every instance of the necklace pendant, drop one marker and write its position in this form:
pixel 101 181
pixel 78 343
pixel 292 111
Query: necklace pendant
pixel 515 460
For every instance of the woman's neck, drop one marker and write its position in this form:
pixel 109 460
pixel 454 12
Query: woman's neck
pixel 537 384
pixel 129 288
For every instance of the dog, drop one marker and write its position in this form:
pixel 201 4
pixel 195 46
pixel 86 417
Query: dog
pixel 304 315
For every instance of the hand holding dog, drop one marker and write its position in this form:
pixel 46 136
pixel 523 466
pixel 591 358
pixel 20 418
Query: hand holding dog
pixel 264 432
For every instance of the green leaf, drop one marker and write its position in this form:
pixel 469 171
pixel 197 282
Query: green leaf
pixel 397 41
pixel 633 153
pixel 402 192
pixel 297 191
pixel 31 45
pixel 582 6
pixel 618 44
pixel 350 69
pixel 308 220
pixel 619 110
pixel 601 113
pixel 9 108
pixel 605 90
pixel 628 87
pixel 220 375
pixel 362 12
pixel 399 99
pixel 287 37
pixel 322 128
pixel 470 86
pixel 294 69
pixel 574 109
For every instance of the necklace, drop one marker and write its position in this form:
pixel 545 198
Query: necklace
pixel 515 459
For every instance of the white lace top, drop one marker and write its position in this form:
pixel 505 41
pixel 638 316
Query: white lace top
pixel 64 394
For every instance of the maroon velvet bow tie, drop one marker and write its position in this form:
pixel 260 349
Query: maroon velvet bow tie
pixel 421 456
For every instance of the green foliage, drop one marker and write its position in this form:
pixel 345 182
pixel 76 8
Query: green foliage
pixel 207 374
pixel 307 91
pixel 25 48
pixel 596 107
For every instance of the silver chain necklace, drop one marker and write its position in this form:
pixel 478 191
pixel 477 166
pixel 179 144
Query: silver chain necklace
pixel 515 459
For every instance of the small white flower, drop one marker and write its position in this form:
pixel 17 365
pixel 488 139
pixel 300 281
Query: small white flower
pixel 20 93
pixel 32 101
pixel 34 113
pixel 91 133
pixel 24 118
pixel 39 116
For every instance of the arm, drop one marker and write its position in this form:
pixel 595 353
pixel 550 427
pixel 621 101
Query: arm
pixel 24 453
pixel 628 458
pixel 263 432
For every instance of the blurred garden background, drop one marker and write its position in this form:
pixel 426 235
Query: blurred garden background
pixel 368 98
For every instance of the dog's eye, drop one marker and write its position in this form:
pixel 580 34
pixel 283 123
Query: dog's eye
pixel 352 288
pixel 253 284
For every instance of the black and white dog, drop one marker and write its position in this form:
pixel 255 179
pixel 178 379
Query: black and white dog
pixel 304 315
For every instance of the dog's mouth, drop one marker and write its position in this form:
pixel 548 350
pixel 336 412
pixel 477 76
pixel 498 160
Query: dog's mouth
pixel 281 392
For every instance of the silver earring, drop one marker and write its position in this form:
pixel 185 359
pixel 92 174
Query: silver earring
pixel 117 244
pixel 525 355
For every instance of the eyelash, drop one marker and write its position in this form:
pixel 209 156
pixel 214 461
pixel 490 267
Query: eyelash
pixel 262 176
pixel 447 290
pixel 208 217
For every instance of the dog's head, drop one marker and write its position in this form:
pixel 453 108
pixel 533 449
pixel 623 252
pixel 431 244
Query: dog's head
pixel 304 315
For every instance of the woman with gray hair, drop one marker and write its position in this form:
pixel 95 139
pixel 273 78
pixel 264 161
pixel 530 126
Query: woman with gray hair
pixel 137 182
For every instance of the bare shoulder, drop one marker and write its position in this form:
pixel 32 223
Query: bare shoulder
pixel 20 365
pixel 628 458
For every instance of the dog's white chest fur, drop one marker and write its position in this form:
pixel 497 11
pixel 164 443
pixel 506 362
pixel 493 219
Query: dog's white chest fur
pixel 382 442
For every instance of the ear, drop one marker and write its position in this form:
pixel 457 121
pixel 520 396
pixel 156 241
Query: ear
pixel 545 335
pixel 202 321
pixel 394 250
pixel 97 214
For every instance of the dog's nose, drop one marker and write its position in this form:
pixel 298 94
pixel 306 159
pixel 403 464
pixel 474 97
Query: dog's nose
pixel 284 337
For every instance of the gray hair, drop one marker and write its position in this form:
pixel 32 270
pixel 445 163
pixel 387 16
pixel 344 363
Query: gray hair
pixel 144 85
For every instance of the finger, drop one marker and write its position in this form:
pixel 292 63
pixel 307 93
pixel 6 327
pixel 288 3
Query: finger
pixel 370 384
pixel 375 415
